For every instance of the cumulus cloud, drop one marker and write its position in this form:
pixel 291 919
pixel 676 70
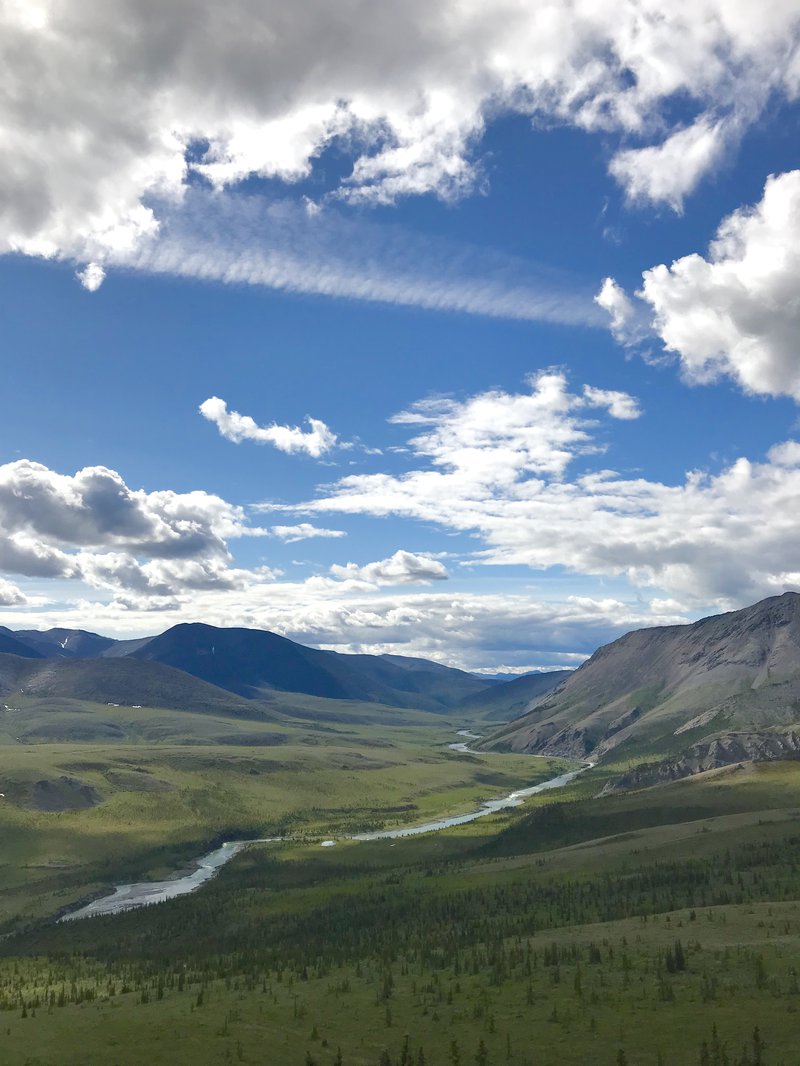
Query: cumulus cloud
pixel 402 568
pixel 111 106
pixel 22 553
pixel 507 469
pixel 304 531
pixel 92 526
pixel 668 172
pixel 627 325
pixel 315 441
pixel 164 578
pixel 10 595
pixel 95 508
pixel 736 313
pixel 91 277
pixel 620 405
pixel 498 437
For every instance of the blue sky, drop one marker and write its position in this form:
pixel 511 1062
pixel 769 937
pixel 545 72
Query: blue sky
pixel 492 316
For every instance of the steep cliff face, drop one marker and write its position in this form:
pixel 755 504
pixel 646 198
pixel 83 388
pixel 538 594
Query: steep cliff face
pixel 728 749
pixel 664 688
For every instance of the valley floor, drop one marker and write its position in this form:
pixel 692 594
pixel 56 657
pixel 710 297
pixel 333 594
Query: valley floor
pixel 660 927
pixel 78 817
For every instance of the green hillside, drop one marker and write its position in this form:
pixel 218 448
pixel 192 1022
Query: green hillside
pixel 656 930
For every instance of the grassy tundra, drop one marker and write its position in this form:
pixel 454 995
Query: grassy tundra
pixel 79 815
pixel 660 927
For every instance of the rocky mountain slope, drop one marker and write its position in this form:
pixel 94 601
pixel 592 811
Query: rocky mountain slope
pixel 727 749
pixel 661 690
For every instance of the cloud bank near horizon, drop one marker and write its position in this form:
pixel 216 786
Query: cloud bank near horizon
pixel 513 633
pixel 510 470
pixel 521 473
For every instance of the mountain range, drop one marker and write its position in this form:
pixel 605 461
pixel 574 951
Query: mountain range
pixel 202 667
pixel 679 699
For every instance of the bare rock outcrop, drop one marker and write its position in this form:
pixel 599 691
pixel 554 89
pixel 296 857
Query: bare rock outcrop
pixel 728 749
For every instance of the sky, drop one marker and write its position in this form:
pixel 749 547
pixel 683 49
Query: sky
pixel 452 329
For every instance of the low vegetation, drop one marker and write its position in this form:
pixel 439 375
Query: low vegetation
pixel 591 927
pixel 76 817
pixel 660 927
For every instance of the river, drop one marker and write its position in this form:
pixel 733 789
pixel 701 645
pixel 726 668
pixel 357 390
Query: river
pixel 130 896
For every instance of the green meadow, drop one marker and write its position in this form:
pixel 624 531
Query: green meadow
pixel 77 817
pixel 657 928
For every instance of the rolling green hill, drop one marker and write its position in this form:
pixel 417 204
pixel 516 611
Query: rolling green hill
pixel 65 643
pixel 10 644
pixel 118 681
pixel 251 662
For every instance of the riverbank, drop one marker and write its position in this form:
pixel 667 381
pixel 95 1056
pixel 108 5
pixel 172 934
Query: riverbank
pixel 147 893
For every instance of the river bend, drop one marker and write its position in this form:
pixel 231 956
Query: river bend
pixel 130 896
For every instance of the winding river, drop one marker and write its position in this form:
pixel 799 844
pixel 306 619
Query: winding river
pixel 128 897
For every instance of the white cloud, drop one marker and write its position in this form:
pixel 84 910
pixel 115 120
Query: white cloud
pixel 10 595
pixel 92 277
pixel 304 531
pixel 95 508
pixel 402 568
pixel 623 312
pixel 499 467
pixel 668 172
pixel 497 438
pixel 247 240
pixel 164 578
pixel 736 313
pixel 22 553
pixel 315 442
pixel 106 105
pixel 786 454
pixel 620 405
pixel 94 527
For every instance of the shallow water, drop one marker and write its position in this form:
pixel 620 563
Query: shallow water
pixel 513 799
pixel 462 746
pixel 128 897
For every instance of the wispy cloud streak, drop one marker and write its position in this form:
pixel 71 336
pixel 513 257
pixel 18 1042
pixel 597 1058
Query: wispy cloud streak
pixel 247 240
